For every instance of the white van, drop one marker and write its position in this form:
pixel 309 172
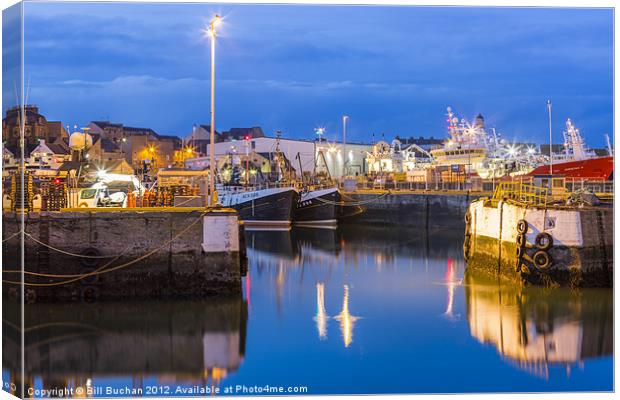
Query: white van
pixel 99 195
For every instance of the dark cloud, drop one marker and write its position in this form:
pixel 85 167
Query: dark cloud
pixel 392 69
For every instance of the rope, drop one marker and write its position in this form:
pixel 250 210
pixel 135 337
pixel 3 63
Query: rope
pixel 354 203
pixel 185 201
pixel 102 269
pixel 63 251
pixel 12 236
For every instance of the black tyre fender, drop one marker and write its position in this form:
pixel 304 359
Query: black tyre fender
pixel 522 226
pixel 541 259
pixel 30 296
pixel 468 217
pixel 521 240
pixel 466 247
pixel 88 261
pixel 520 251
pixel 544 241
pixel 90 279
pixel 89 294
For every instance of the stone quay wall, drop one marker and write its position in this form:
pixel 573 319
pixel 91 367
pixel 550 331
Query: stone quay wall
pixel 581 253
pixel 131 254
pixel 418 210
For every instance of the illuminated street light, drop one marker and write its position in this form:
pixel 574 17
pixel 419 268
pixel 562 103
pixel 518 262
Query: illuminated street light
pixel 320 132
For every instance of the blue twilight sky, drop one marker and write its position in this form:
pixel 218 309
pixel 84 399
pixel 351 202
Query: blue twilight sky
pixel 393 70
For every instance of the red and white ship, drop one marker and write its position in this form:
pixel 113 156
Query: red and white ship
pixel 578 162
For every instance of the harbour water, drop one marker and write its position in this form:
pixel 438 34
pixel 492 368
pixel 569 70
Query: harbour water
pixel 358 309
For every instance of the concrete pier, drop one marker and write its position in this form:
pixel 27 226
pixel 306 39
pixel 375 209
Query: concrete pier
pixel 553 245
pixel 124 253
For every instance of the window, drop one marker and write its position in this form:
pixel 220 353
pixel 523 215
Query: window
pixel 253 145
pixel 88 193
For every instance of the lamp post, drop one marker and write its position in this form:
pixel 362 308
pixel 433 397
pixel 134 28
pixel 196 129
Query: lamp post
pixel 215 21
pixel 344 144
pixel 123 140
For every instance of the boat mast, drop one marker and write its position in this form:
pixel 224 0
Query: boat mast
pixel 550 140
pixel 575 141
pixel 610 149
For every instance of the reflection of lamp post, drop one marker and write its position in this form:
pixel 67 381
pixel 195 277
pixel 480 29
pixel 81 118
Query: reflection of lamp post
pixel 212 34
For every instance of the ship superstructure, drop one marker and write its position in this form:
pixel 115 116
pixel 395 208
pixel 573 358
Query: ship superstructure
pixel 575 148
pixel 479 151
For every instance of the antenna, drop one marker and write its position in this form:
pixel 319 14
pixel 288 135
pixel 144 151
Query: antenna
pixel 575 142
pixel 610 148
pixel 27 92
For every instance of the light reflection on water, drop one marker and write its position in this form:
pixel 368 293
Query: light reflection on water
pixel 353 310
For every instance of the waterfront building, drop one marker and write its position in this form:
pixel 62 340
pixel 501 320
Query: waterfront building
pixel 425 143
pixel 303 155
pixel 36 128
pixel 104 149
pixel 139 146
pixel 203 133
pixel 8 158
pixel 396 157
pixel 49 155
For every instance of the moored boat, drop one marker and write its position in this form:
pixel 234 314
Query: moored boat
pixel 595 168
pixel 317 207
pixel 261 207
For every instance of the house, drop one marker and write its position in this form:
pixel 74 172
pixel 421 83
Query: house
pixel 49 155
pixel 104 149
pixel 138 146
pixel 8 158
pixel 36 127
pixel 199 138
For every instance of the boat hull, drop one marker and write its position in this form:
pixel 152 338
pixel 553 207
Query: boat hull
pixel 597 168
pixel 318 208
pixel 265 208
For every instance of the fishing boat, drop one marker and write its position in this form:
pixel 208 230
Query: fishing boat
pixel 481 151
pixel 261 207
pixel 317 207
pixel 578 161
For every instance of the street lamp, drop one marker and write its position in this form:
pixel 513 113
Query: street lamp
pixel 212 33
pixel 344 144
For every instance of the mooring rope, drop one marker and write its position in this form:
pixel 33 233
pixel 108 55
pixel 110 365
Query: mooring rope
pixel 63 251
pixel 101 270
pixel 353 203
pixel 12 236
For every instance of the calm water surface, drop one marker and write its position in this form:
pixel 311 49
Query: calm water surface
pixel 353 310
